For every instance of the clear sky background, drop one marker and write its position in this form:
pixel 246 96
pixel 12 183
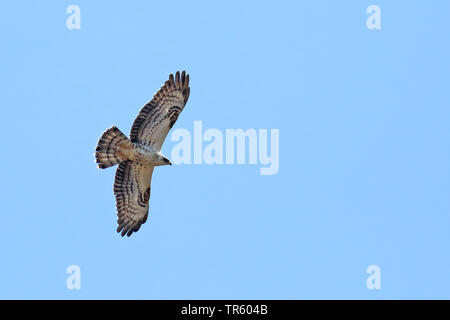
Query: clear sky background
pixel 364 174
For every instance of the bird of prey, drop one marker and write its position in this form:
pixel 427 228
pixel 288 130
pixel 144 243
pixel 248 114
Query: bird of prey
pixel 141 153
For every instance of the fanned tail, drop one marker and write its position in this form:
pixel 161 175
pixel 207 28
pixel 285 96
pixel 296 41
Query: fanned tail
pixel 112 148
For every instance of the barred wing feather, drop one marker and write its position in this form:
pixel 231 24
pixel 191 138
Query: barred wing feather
pixel 157 117
pixel 132 191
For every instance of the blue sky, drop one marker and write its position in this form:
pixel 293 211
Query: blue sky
pixel 364 176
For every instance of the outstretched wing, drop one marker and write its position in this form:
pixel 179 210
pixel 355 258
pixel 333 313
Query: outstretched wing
pixel 132 191
pixel 158 116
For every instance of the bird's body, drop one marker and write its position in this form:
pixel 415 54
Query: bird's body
pixel 144 154
pixel 138 155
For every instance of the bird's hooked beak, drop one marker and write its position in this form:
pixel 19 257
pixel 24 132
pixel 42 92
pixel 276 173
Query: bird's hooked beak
pixel 167 161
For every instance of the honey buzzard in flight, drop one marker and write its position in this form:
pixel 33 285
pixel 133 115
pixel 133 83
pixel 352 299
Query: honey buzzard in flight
pixel 141 153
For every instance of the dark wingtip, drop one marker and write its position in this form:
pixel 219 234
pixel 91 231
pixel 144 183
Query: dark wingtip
pixel 171 80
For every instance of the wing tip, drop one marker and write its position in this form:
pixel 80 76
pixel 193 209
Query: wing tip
pixel 125 229
pixel 178 81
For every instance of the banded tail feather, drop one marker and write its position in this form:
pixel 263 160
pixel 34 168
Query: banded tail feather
pixel 112 148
